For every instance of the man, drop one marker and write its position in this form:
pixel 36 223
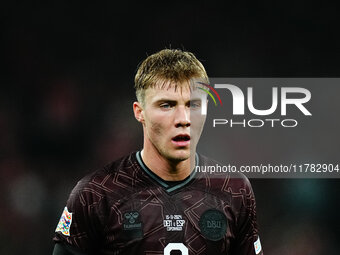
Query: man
pixel 153 201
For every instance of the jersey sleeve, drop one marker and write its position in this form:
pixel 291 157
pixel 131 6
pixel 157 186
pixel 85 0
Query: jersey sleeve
pixel 63 249
pixel 247 240
pixel 80 225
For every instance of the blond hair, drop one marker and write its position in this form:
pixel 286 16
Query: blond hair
pixel 168 65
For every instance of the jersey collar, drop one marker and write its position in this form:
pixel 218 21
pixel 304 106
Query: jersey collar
pixel 160 181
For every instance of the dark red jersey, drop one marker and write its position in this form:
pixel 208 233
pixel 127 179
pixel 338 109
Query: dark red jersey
pixel 124 208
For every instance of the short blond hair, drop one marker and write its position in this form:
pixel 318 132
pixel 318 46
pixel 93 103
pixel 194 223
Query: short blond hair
pixel 168 65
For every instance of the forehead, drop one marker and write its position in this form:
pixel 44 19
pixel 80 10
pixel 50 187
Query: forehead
pixel 173 91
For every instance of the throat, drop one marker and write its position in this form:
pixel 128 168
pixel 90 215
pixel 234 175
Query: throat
pixel 168 170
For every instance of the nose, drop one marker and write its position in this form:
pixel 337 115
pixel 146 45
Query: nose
pixel 182 117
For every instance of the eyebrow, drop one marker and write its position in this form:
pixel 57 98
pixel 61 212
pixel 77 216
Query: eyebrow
pixel 172 101
pixel 165 100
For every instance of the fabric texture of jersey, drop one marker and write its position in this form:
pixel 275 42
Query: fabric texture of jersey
pixel 124 208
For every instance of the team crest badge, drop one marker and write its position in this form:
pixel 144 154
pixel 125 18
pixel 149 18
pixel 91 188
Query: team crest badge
pixel 64 224
pixel 213 224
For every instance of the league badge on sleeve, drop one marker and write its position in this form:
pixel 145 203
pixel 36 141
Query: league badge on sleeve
pixel 64 224
pixel 257 246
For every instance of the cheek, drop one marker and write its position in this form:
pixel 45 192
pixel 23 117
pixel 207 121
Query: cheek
pixel 198 121
pixel 197 127
pixel 155 128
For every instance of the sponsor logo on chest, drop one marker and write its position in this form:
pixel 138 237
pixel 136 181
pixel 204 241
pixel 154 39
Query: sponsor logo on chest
pixel 132 221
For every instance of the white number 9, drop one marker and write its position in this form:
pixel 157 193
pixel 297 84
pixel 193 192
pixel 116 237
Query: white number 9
pixel 176 246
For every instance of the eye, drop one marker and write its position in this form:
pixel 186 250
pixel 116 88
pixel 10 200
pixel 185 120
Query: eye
pixel 195 104
pixel 165 106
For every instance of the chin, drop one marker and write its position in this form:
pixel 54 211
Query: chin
pixel 180 155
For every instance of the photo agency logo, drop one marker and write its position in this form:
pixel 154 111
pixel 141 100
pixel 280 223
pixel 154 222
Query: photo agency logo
pixel 280 102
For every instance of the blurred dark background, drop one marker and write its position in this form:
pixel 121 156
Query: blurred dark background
pixel 67 90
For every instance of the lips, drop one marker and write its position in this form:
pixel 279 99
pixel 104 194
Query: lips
pixel 181 140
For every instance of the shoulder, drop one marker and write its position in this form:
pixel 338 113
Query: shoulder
pixel 223 179
pixel 232 187
pixel 109 179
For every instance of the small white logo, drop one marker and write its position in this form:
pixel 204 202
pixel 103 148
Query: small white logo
pixel 174 222
pixel 257 246
pixel 64 224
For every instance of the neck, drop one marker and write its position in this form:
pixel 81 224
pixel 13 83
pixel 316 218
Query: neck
pixel 167 169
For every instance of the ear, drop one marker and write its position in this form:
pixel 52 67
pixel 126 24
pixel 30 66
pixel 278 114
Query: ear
pixel 138 111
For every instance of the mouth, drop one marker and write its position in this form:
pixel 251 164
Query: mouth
pixel 181 140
